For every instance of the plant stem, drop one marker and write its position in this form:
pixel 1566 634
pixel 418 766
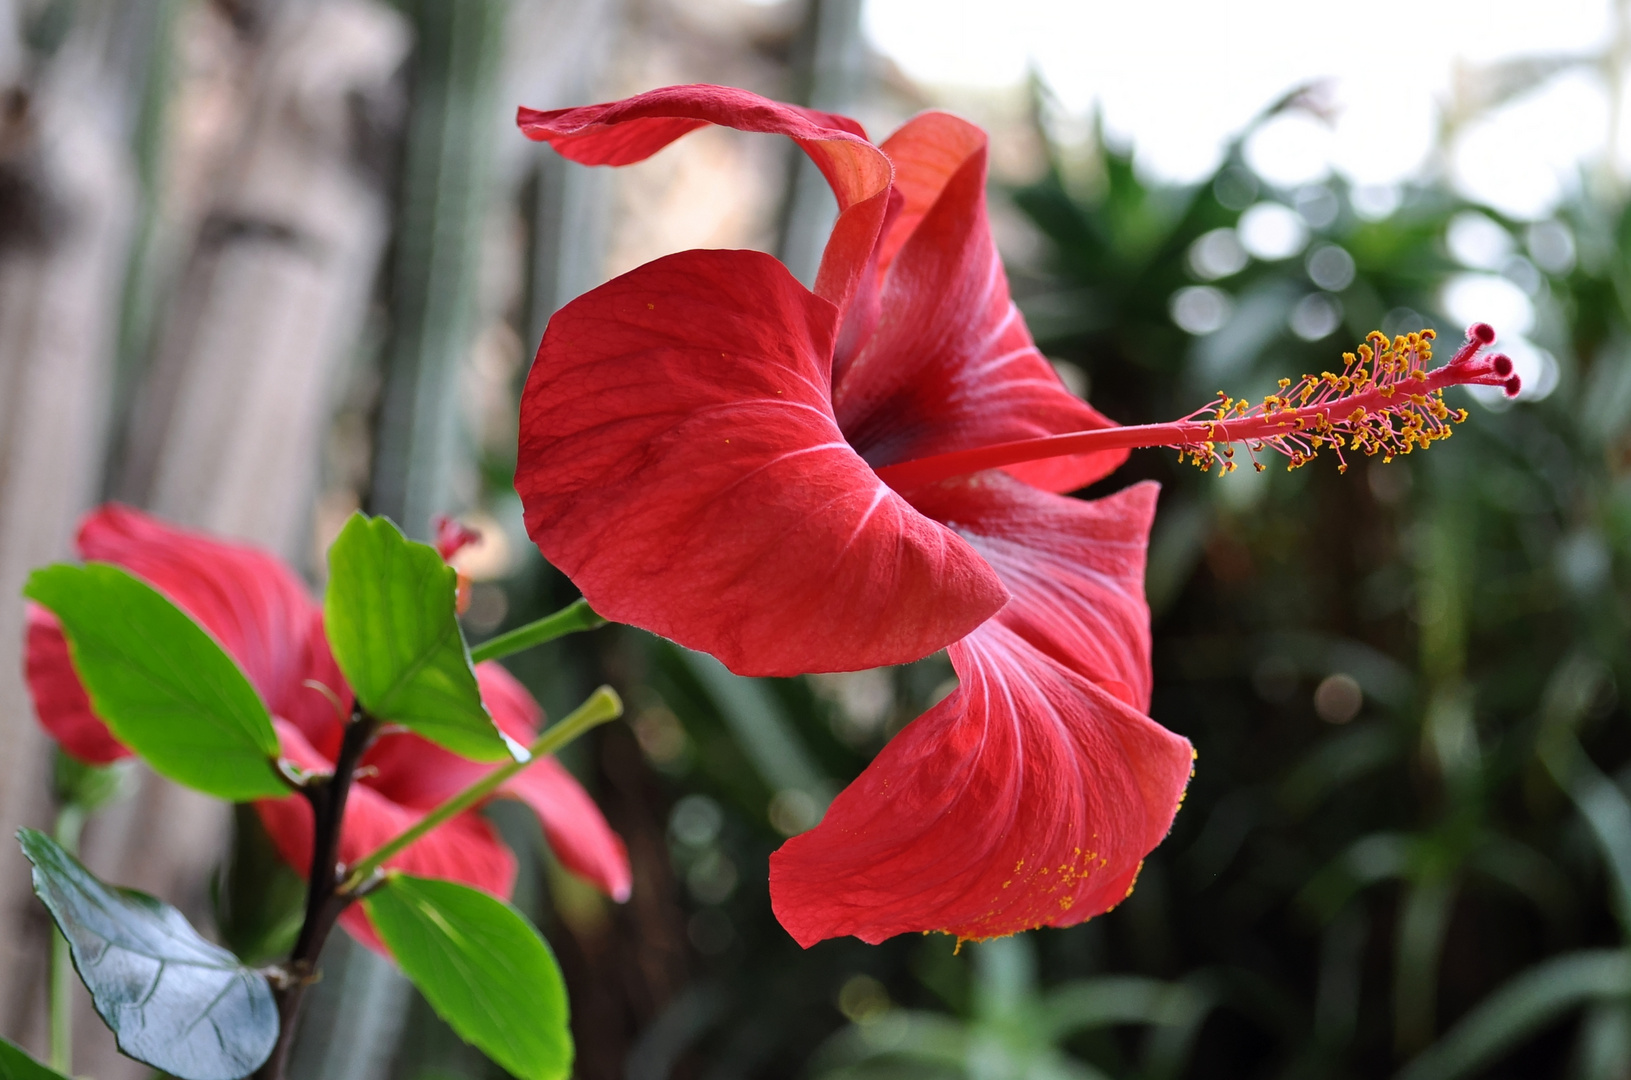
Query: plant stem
pixel 323 904
pixel 70 822
pixel 601 706
pixel 575 616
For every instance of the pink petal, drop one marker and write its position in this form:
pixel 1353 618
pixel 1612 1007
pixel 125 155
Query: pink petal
pixel 623 132
pixel 256 607
pixel 951 365
pixel 59 697
pixel 680 462
pixel 1030 796
pixel 414 773
pixel 465 849
pixel 574 826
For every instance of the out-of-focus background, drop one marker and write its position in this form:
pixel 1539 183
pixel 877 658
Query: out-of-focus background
pixel 265 261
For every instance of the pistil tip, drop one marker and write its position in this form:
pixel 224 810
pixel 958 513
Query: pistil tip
pixel 1482 332
pixel 1512 386
pixel 1501 362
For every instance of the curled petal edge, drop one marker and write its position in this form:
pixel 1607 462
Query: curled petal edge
pixel 631 130
pixel 1028 798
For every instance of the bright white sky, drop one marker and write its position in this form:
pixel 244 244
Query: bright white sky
pixel 1177 77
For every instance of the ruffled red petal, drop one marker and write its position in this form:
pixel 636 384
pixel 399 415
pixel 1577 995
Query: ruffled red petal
pixel 1075 567
pixel 465 849
pixel 59 697
pixel 926 152
pixel 623 132
pixel 951 365
pixel 1027 798
pixel 256 607
pixel 680 462
pixel 417 774
pixel 1030 795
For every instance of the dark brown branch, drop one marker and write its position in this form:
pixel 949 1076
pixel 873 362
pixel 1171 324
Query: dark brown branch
pixel 323 904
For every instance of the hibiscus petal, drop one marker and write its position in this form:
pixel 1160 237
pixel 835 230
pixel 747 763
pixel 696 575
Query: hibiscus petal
pixel 59 697
pixel 465 849
pixel 623 132
pixel 1030 796
pixel 951 365
pixel 417 774
pixel 256 607
pixel 680 462
pixel 926 152
pixel 1075 568
pixel 1027 798
pixel 574 826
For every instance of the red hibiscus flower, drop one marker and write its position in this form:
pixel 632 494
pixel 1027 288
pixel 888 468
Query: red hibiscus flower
pixel 701 442
pixel 262 615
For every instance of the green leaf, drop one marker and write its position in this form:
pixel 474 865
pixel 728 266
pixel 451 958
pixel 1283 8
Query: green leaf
pixel 17 1065
pixel 1605 808
pixel 1523 1005
pixel 482 967
pixel 1113 999
pixel 163 685
pixel 172 999
pixel 392 623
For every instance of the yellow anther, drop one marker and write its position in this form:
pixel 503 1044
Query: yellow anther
pixel 1388 424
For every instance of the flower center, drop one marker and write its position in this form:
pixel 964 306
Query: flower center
pixel 1384 401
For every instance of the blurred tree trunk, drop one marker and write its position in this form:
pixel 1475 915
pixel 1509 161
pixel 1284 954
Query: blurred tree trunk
pixel 229 423
pixel 446 193
pixel 355 1017
pixel 66 203
pixel 229 420
pixel 570 205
